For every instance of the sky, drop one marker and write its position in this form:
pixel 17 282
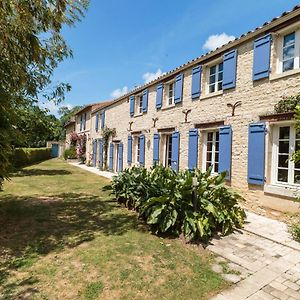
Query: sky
pixel 120 44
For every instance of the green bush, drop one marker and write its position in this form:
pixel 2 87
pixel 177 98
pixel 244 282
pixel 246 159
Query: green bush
pixel 70 153
pixel 295 231
pixel 25 156
pixel 190 202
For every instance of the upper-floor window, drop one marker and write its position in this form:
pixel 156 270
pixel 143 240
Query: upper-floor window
pixel 139 104
pixel 286 142
pixel 289 51
pixel 215 78
pixel 170 93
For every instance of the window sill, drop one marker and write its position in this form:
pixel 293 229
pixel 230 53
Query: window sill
pixel 168 107
pixel 283 190
pixel 138 115
pixel 284 74
pixel 218 93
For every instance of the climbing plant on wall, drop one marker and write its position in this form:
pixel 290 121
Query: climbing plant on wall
pixel 287 104
pixel 107 133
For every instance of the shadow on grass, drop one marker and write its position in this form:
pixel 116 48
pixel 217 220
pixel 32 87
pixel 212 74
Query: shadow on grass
pixel 40 172
pixel 34 226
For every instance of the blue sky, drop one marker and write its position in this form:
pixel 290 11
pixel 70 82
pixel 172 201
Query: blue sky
pixel 120 44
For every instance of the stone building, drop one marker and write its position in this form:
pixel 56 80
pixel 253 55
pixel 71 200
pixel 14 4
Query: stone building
pixel 216 110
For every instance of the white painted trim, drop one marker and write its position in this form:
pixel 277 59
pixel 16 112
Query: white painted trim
pixel 279 47
pixel 281 190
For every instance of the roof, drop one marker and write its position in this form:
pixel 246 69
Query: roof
pixel 94 106
pixel 70 122
pixel 267 26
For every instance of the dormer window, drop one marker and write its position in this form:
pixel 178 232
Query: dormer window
pixel 215 78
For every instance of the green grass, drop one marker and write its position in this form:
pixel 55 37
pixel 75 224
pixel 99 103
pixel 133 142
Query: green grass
pixel 62 237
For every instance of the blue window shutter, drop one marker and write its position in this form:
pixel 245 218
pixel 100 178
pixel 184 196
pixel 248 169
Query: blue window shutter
pixel 225 146
pixel 111 156
pixel 129 150
pixel 131 100
pixel 261 58
pixel 102 119
pixel 142 150
pixel 156 139
pixel 120 165
pixel 97 122
pixel 94 153
pixel 193 149
pixel 101 153
pixel 196 82
pixel 159 95
pixel 84 121
pixel 256 153
pixel 81 122
pixel 175 151
pixel 145 100
pixel 178 88
pixel 229 69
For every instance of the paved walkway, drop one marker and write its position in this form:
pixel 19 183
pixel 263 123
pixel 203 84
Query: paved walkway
pixel 267 260
pixel 264 258
pixel 105 174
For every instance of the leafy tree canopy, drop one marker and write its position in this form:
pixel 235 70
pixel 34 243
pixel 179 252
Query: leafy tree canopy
pixel 31 46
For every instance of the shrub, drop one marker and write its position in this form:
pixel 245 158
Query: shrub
pixel 287 104
pixel 70 153
pixel 25 156
pixel 189 202
pixel 295 231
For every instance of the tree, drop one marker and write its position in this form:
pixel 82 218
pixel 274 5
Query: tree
pixel 36 127
pixel 31 46
pixel 66 114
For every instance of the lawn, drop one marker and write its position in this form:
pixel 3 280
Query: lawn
pixel 62 237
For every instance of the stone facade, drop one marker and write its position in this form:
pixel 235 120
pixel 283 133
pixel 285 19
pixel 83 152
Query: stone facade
pixel 210 110
pixel 70 128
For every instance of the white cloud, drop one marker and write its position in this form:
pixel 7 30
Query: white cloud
pixel 147 77
pixel 52 108
pixel 216 40
pixel 119 92
pixel 151 76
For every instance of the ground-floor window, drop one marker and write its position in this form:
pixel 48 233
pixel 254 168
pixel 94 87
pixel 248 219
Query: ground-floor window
pixel 168 150
pixel 211 151
pixel 138 149
pixel 285 142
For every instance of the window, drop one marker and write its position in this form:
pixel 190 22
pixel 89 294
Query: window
pixel 286 142
pixel 215 78
pixel 140 104
pixel 211 151
pixel 138 149
pixel 170 97
pixel 168 150
pixel 289 52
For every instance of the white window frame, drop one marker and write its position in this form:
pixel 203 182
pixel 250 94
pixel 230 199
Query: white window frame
pixel 166 93
pixel 208 67
pixel 282 34
pixel 139 104
pixel 204 157
pixel 167 139
pixel 275 152
pixel 138 149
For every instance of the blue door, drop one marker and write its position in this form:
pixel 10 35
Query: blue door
pixel 54 150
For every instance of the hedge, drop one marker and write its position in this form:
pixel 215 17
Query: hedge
pixel 26 156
